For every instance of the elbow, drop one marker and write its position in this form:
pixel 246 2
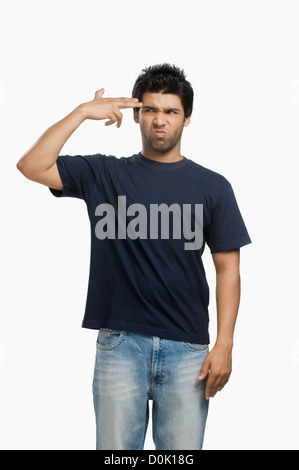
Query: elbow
pixel 23 168
pixel 20 166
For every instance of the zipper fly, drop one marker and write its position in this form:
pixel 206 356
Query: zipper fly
pixel 158 362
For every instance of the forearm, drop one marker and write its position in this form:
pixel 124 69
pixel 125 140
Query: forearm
pixel 39 161
pixel 228 287
pixel 44 153
pixel 219 361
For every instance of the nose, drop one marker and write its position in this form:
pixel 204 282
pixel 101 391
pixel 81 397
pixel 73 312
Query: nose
pixel 160 119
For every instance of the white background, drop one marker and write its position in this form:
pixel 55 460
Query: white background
pixel 242 58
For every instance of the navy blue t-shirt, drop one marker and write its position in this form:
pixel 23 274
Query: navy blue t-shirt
pixel 149 223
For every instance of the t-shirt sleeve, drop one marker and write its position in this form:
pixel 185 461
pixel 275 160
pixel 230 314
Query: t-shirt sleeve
pixel 77 174
pixel 227 230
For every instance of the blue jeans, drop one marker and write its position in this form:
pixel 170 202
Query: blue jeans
pixel 132 369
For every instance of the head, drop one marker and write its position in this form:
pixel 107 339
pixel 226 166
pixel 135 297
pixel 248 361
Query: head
pixel 165 79
pixel 167 99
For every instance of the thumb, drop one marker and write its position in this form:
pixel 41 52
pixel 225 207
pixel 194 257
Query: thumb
pixel 99 93
pixel 205 370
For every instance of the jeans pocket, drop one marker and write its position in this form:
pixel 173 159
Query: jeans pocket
pixel 109 339
pixel 199 348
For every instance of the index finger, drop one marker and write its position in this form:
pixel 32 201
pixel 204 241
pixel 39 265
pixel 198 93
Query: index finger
pixel 211 386
pixel 128 103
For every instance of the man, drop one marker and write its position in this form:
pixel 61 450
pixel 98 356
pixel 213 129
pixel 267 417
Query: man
pixel 151 215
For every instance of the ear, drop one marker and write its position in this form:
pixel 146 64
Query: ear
pixel 136 116
pixel 187 121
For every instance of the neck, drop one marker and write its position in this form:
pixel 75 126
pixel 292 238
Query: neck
pixel 174 155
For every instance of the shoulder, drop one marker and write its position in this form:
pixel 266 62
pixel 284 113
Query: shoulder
pixel 213 181
pixel 96 161
pixel 99 158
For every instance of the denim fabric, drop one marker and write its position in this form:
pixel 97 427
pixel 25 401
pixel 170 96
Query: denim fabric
pixel 132 369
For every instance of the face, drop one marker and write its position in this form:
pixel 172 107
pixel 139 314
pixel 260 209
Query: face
pixel 162 121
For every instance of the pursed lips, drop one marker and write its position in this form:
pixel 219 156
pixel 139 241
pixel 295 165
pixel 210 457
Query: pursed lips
pixel 160 133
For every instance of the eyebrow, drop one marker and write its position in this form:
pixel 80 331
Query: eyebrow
pixel 164 109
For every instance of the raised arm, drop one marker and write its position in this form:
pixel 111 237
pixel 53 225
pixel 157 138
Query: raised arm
pixel 39 162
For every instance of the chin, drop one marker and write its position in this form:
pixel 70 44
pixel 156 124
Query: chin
pixel 161 148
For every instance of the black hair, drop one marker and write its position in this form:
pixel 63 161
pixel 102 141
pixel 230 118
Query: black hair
pixel 165 78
